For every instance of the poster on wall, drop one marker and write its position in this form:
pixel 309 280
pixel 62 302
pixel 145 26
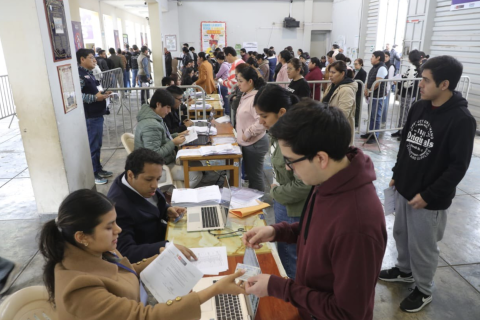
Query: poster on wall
pixel 125 40
pixel 213 35
pixel 250 46
pixel 464 4
pixel 77 35
pixel 57 22
pixel 171 42
pixel 117 39
pixel 67 88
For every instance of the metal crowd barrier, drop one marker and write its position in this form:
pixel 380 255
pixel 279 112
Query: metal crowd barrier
pixel 7 104
pixel 393 117
pixel 119 122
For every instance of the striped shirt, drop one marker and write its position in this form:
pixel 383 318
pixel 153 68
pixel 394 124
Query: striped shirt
pixel 231 81
pixel 87 97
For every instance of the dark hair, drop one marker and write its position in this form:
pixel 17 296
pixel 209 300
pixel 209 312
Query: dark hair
pixel 335 46
pixel 272 47
pixel 387 53
pixel 81 210
pixel 186 75
pixel 312 126
pixel 166 81
pixel 250 53
pixel 111 50
pixel 348 60
pixel 135 47
pixel 220 56
pixel 191 49
pixel 241 67
pixel 202 55
pixel 316 61
pixel 340 57
pixel 162 96
pixel 243 50
pixel 360 61
pixel 323 57
pixel 174 90
pixel 265 51
pixel 330 53
pixel 127 46
pixel 101 51
pixel 119 51
pixel 289 48
pixel 251 61
pixel 217 49
pixel 137 159
pixel 84 53
pixel 185 44
pixel 230 50
pixel 260 57
pixel 270 53
pixel 249 73
pixel 297 64
pixel 271 98
pixel 174 77
pixel 414 56
pixel 144 49
pixel 285 55
pixel 341 66
pixel 444 68
pixel 380 54
pixel 185 49
pixel 301 51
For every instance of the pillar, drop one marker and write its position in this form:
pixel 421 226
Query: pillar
pixel 154 15
pixel 307 26
pixel 56 144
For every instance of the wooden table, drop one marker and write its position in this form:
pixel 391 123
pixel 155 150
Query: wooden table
pixel 269 308
pixel 232 161
pixel 216 105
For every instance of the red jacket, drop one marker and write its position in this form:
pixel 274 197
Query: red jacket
pixel 341 241
pixel 315 75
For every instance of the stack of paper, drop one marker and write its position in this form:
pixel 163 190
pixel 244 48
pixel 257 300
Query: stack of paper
pixel 191 136
pixel 212 260
pixel 223 119
pixel 210 194
pixel 220 149
pixel 223 140
pixel 205 130
pixel 189 153
pixel 244 197
pixel 199 106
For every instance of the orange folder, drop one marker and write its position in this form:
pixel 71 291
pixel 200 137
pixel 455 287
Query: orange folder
pixel 248 211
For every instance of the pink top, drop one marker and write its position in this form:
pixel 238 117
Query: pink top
pixel 282 76
pixel 248 121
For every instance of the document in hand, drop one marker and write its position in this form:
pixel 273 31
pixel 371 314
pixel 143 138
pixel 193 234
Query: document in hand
pixel 170 275
pixel 211 260
pixel 204 194
pixel 191 136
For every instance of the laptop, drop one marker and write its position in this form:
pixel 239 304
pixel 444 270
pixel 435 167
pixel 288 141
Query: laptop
pixel 227 306
pixel 200 141
pixel 210 217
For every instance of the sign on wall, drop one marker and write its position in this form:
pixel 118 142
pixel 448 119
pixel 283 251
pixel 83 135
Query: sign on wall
pixel 250 46
pixel 125 40
pixel 213 35
pixel 57 22
pixel 67 88
pixel 171 42
pixel 464 4
pixel 77 35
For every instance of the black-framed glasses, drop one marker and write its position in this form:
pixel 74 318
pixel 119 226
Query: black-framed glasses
pixel 289 163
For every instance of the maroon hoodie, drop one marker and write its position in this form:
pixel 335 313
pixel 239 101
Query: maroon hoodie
pixel 341 239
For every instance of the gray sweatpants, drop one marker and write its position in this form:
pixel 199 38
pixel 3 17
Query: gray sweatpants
pixel 253 158
pixel 416 232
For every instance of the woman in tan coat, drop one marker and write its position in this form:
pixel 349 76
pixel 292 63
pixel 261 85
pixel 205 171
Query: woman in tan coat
pixel 87 278
pixel 341 92
pixel 205 74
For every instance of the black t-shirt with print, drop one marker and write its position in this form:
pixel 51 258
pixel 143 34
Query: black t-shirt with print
pixel 300 88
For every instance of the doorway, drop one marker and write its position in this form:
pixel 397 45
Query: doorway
pixel 318 45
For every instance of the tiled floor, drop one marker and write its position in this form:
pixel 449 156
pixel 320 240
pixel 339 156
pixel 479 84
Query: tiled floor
pixel 457 281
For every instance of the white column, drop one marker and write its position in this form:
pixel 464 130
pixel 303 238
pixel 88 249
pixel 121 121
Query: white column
pixel 307 28
pixel 154 15
pixel 56 144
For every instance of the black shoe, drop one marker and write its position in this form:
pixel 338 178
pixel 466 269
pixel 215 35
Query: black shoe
pixel 7 282
pixel 396 134
pixel 395 275
pixel 415 301
pixel 105 174
pixel 365 136
pixel 371 141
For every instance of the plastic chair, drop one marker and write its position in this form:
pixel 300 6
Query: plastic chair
pixel 28 303
pixel 128 141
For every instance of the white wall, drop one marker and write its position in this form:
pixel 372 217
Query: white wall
pixel 249 21
pixel 346 16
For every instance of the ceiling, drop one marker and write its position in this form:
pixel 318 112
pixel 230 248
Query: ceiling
pixel 136 7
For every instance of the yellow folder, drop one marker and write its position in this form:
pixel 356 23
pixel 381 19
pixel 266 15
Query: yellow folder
pixel 245 212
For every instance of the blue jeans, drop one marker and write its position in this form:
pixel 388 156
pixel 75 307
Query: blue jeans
pixel 286 251
pixel 226 104
pixel 376 114
pixel 95 135
pixel 134 75
pixel 126 79
pixel 385 108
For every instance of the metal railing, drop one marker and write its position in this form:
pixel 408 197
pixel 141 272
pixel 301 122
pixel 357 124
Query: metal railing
pixel 385 115
pixel 7 104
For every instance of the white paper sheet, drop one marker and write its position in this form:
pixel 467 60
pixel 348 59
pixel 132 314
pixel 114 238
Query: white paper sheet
pixel 191 136
pixel 196 195
pixel 389 201
pixel 211 260
pixel 170 275
pixel 188 152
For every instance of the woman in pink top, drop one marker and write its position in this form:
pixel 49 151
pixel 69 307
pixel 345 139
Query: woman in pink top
pixel 250 133
pixel 282 76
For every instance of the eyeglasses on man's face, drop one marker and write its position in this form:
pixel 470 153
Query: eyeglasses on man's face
pixel 289 163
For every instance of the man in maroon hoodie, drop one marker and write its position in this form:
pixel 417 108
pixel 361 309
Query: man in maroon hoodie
pixel 341 237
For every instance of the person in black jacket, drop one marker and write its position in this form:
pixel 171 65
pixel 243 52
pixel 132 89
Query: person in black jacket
pixel 434 155
pixel 168 62
pixel 173 120
pixel 102 60
pixel 142 211
pixel 361 75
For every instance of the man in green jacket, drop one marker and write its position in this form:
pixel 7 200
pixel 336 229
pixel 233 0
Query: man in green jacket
pixel 152 133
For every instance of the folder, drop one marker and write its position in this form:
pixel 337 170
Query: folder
pixel 248 211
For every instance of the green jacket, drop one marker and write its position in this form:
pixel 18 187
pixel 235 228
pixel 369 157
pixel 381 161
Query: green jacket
pixel 151 134
pixel 291 192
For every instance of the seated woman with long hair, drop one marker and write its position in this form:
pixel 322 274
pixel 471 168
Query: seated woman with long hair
pixel 187 77
pixel 87 278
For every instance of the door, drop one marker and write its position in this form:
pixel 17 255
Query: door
pixel 318 46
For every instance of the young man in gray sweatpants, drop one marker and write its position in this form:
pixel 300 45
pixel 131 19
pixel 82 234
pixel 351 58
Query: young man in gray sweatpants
pixel 435 151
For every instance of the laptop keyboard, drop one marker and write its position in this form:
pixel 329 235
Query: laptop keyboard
pixel 210 217
pixel 228 307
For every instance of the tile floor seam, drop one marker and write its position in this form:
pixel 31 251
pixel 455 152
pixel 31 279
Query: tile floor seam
pixel 10 179
pixel 19 134
pixel 25 267
pixel 471 285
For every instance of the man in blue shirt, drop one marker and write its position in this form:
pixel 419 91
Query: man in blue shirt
pixel 144 72
pixel 95 107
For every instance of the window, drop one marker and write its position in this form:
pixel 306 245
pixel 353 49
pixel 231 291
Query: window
pixel 92 35
pixel 108 27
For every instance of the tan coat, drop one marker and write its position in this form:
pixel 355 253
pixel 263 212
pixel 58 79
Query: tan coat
pixel 344 98
pixel 205 77
pixel 89 288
